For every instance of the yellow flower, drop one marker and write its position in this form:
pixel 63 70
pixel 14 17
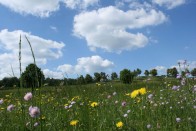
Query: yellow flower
pixel 94 104
pixel 119 124
pixel 142 91
pixel 134 93
pixel 74 122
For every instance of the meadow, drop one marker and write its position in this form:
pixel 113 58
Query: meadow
pixel 147 104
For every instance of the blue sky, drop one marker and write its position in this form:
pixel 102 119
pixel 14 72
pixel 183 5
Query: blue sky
pixel 76 37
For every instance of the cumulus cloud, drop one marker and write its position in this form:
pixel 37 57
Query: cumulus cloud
pixel 106 28
pixel 43 49
pixel 81 4
pixel 44 8
pixel 169 4
pixel 41 8
pixel 84 65
pixel 87 65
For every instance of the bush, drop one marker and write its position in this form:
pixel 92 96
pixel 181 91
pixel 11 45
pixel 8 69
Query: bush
pixel 126 76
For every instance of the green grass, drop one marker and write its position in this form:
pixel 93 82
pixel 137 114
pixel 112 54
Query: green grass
pixel 160 112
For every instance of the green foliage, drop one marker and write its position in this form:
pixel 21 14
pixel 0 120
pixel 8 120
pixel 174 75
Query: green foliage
pixel 193 72
pixel 81 80
pixel 172 72
pixel 146 73
pixel 88 78
pixel 29 76
pixel 126 76
pixel 10 82
pixel 114 76
pixel 137 72
pixel 97 77
pixel 153 72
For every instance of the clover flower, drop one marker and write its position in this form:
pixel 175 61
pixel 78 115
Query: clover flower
pixel 34 111
pixel 10 108
pixel 28 96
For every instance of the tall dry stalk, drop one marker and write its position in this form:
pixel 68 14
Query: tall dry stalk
pixel 34 61
pixel 20 62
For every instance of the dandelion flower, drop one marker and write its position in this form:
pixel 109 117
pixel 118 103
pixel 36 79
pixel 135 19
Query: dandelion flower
pixel 134 93
pixel 28 96
pixel 34 111
pixel 94 104
pixel 119 124
pixel 74 122
pixel 142 91
pixel 10 107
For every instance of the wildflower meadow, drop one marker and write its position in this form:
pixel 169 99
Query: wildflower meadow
pixel 146 104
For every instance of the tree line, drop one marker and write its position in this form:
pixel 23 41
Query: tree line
pixel 28 77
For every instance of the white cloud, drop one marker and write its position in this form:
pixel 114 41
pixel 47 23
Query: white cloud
pixel 81 4
pixel 169 4
pixel 54 28
pixel 41 8
pixel 84 65
pixel 52 74
pixel 106 28
pixel 87 65
pixel 43 50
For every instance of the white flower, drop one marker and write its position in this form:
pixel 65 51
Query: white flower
pixel 178 119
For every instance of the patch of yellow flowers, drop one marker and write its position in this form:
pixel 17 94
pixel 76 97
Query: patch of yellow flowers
pixel 137 92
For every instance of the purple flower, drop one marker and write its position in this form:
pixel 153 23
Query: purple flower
pixel 150 96
pixel 10 107
pixel 178 76
pixel 28 96
pixel 124 103
pixel 175 87
pixel 34 111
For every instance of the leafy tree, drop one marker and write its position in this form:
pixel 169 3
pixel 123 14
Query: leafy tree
pixel 81 80
pixel 114 75
pixel 193 72
pixel 30 78
pixel 10 82
pixel 153 72
pixel 126 76
pixel 97 77
pixel 146 73
pixel 88 78
pixel 103 76
pixel 172 72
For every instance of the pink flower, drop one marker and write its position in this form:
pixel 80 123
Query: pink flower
pixel 34 111
pixel 28 96
pixel 10 107
pixel 124 103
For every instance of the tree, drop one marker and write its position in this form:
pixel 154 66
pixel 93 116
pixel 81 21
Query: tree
pixel 193 72
pixel 97 77
pixel 81 80
pixel 10 82
pixel 126 76
pixel 88 78
pixel 146 73
pixel 137 72
pixel 172 72
pixel 114 75
pixel 153 72
pixel 30 78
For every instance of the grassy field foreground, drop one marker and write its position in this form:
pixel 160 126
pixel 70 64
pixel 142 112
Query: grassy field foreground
pixel 143 105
